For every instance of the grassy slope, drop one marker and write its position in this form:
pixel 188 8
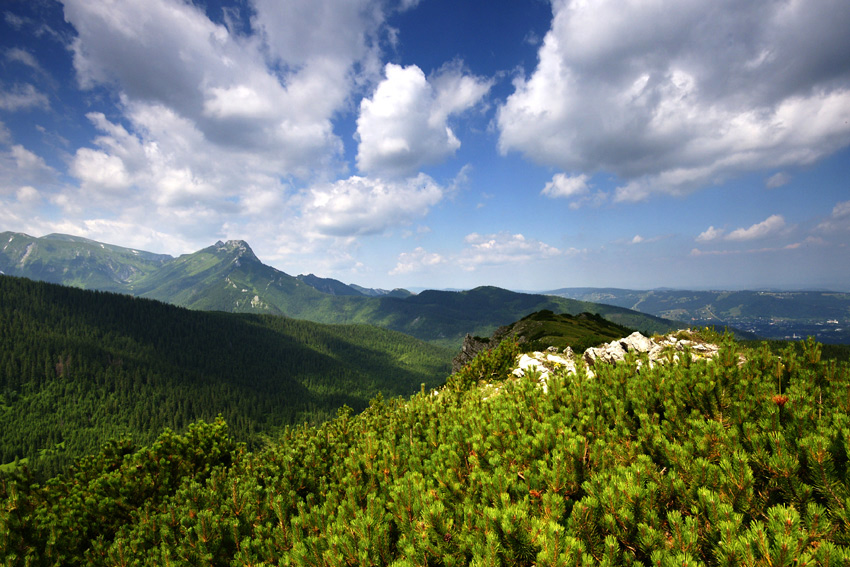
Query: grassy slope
pixel 75 261
pixel 544 328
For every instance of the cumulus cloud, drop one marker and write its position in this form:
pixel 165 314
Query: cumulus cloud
pixel 562 185
pixel 221 84
pixel 99 170
pixel 768 227
pixel 405 124
pixel 235 135
pixel 222 130
pixel 503 248
pixel 659 95
pixel 360 205
pixel 415 261
pixel 710 234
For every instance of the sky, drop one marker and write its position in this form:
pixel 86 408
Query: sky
pixel 527 144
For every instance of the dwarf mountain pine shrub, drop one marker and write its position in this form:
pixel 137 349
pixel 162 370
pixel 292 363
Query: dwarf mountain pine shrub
pixel 717 462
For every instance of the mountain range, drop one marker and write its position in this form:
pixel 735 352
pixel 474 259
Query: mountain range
pixel 228 276
pixel 824 315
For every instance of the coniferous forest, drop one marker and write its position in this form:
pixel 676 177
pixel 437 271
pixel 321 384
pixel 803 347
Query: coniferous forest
pixel 78 368
pixel 738 460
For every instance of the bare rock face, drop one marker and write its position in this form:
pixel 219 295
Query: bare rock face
pixel 470 348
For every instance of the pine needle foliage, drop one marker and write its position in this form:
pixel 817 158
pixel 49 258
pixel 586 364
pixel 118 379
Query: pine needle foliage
pixel 742 460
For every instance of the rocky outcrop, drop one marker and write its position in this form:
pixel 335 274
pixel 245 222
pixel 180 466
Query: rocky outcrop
pixel 661 350
pixel 473 345
pixel 658 349
pixel 469 349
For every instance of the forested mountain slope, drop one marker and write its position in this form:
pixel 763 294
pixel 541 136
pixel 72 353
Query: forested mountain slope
pixel 78 367
pixel 737 460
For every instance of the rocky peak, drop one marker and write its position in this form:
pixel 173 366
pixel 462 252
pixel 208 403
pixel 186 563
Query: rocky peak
pixel 238 248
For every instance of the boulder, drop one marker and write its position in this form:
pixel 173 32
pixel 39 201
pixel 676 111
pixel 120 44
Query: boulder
pixel 637 342
pixel 611 352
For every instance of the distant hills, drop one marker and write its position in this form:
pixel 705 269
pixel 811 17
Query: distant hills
pixel 769 314
pixel 228 276
pixel 336 287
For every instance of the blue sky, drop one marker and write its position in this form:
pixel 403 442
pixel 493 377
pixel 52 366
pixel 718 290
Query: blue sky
pixel 433 143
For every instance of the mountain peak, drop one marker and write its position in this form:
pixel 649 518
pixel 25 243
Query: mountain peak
pixel 239 248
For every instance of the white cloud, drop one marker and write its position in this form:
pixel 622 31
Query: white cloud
pixel 20 167
pixel 417 260
pixel 638 239
pixel 710 234
pixel 221 85
pixel 838 220
pixel 23 97
pixel 28 195
pixel 503 248
pixel 405 124
pixel 777 180
pixel 24 57
pixel 656 93
pixel 768 227
pixel 302 32
pixel 100 170
pixel 231 135
pixel 563 185
pixel 361 205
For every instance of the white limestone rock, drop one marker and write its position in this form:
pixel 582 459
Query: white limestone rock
pixel 637 342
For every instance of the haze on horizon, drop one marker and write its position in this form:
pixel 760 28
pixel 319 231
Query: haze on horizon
pixel 428 143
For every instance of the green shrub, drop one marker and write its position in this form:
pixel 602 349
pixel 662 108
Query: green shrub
pixel 490 365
